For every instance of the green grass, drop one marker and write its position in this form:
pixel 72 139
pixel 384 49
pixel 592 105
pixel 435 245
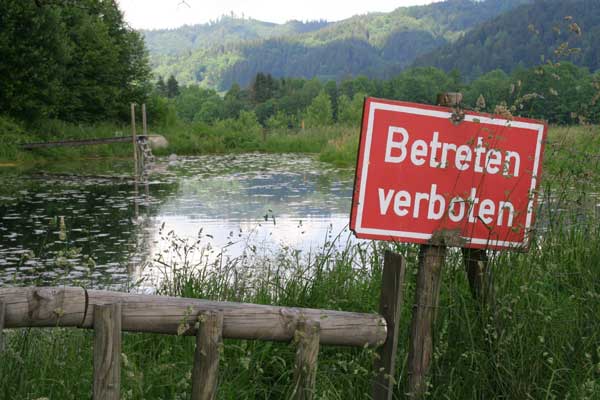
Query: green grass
pixel 12 135
pixel 186 139
pixel 193 139
pixel 538 338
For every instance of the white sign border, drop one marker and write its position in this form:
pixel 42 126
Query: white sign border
pixel 374 106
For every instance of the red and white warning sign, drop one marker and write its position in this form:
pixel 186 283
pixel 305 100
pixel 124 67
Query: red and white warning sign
pixel 420 173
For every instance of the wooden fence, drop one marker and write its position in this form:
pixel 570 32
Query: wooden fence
pixel 110 313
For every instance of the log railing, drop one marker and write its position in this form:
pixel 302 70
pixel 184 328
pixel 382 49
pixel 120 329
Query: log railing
pixel 110 313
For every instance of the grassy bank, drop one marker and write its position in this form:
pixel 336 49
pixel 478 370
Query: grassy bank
pixel 231 136
pixel 538 338
pixel 335 144
pixel 234 137
pixel 12 135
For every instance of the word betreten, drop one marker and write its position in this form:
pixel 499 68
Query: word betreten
pixel 464 156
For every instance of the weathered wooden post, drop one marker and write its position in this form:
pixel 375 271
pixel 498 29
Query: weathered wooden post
pixel 476 264
pixel 475 260
pixel 2 316
pixel 390 307
pixel 145 133
pixel 144 120
pixel 107 352
pixel 307 338
pixel 134 140
pixel 209 340
pixel 431 261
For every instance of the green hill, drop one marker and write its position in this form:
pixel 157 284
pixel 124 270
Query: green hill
pixel 377 44
pixel 547 30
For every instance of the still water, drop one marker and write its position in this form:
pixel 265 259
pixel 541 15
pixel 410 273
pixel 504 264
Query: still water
pixel 79 227
pixel 89 223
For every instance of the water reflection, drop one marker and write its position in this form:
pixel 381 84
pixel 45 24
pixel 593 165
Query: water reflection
pixel 112 227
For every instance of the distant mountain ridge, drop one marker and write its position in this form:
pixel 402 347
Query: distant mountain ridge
pixel 228 29
pixel 546 30
pixel 232 50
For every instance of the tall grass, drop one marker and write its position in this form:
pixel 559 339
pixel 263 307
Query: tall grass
pixel 537 338
pixel 199 138
pixel 230 136
pixel 13 135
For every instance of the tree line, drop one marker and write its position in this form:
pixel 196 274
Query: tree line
pixel 560 93
pixel 69 60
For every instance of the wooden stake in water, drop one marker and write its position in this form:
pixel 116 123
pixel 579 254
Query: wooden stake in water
pixel 144 120
pixel 144 141
pixel 134 138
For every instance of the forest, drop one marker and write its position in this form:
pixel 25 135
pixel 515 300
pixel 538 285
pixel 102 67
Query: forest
pixel 73 61
pixel 378 45
pixel 525 37
pixel 561 93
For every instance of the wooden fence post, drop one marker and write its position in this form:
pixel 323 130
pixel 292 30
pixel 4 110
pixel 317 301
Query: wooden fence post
pixel 431 260
pixel 2 316
pixel 390 307
pixel 107 352
pixel 209 339
pixel 307 338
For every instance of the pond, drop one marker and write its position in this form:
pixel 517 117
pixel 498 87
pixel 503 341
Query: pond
pixel 90 223
pixel 75 225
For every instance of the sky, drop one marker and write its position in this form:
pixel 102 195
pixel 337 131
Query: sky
pixel 158 14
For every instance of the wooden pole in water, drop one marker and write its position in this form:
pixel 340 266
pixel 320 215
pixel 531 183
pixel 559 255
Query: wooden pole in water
pixel 209 340
pixel 145 133
pixel 107 352
pixel 144 120
pixel 134 138
pixel 390 306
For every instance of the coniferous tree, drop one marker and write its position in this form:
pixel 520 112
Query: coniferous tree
pixel 161 86
pixel 172 87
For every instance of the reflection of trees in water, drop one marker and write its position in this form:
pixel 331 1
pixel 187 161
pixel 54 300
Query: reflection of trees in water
pixel 99 234
pixel 250 195
pixel 107 241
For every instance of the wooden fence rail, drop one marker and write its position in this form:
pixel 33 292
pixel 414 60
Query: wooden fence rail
pixel 74 307
pixel 80 142
pixel 110 313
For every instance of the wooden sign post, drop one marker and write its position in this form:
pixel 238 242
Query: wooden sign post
pixel 390 306
pixel 475 260
pixel 439 177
